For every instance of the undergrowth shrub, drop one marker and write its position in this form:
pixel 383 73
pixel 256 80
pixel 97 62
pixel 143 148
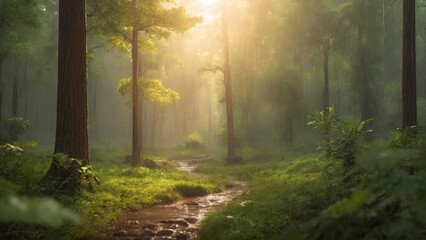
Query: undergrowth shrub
pixel 193 141
pixel 343 139
pixel 388 203
pixel 406 138
pixel 24 214
pixel 12 129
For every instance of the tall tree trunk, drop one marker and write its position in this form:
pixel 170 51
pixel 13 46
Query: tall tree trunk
pixel 15 98
pixel 228 84
pixel 154 120
pixel 16 93
pixel 23 85
pixel 71 121
pixel 365 89
pixel 135 94
pixel 1 87
pixel 94 109
pixel 409 105
pixel 141 123
pixel 326 53
pixel 140 106
pixel 290 117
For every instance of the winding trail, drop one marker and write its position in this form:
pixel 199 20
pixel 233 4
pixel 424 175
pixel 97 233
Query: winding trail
pixel 179 220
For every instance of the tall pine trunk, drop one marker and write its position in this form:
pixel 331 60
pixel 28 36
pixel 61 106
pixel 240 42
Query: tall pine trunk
pixel 15 98
pixel 228 84
pixel 135 96
pixel 1 87
pixel 71 121
pixel 326 57
pixel 409 105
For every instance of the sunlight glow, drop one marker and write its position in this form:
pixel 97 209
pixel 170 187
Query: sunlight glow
pixel 209 2
pixel 208 10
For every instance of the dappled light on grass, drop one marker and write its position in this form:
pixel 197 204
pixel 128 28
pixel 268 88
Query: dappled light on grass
pixel 280 197
pixel 128 189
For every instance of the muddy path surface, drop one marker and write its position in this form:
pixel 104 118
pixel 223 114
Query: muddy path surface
pixel 179 220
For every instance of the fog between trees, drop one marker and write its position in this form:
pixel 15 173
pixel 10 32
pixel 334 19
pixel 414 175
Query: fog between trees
pixel 277 56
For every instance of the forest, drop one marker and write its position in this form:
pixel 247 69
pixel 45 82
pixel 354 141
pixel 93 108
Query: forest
pixel 212 119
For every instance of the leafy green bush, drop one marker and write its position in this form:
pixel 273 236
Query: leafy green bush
pixel 33 210
pixel 11 129
pixel 342 139
pixel 388 204
pixel 10 160
pixel 406 138
pixel 325 123
pixel 19 212
pixel 348 143
pixel 69 176
pixel 193 141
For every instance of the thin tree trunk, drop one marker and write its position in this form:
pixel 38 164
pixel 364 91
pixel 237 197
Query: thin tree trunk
pixel 290 118
pixel 135 121
pixel 141 124
pixel 1 88
pixel 409 98
pixel 327 95
pixel 94 109
pixel 228 84
pixel 26 103
pixel 326 76
pixel 15 95
pixel 154 119
pixel 140 107
pixel 23 85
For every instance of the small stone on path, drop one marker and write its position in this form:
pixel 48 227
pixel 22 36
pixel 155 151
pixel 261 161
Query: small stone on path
pixel 181 222
pixel 182 236
pixel 120 233
pixel 146 233
pixel 191 220
pixel 149 226
pixel 164 232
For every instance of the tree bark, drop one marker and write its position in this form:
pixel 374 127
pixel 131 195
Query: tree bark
pixel 141 123
pixel 409 98
pixel 228 84
pixel 71 121
pixel 326 53
pixel 15 98
pixel 135 94
pixel 1 88
pixel 154 121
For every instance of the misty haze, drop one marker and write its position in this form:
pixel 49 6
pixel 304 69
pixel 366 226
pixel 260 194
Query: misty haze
pixel 212 119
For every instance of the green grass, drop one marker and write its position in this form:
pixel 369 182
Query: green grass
pixel 381 197
pixel 122 189
pixel 127 189
pixel 281 196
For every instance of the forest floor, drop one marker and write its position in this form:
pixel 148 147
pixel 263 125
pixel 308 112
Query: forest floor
pixel 275 194
pixel 179 220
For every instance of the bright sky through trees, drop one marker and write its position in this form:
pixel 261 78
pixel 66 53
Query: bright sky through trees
pixel 209 2
pixel 208 9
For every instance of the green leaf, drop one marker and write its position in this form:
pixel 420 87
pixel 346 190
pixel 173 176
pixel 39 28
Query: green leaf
pixel 350 205
pixel 44 211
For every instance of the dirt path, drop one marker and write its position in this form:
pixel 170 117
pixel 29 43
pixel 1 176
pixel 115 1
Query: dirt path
pixel 179 220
